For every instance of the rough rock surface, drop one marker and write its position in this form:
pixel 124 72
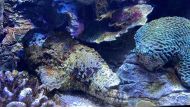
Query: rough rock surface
pixel 145 88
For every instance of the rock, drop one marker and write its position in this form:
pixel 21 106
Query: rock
pixel 161 87
pixel 175 99
pixel 74 101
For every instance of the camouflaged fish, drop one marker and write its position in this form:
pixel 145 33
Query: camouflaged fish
pixel 165 40
pixel 64 64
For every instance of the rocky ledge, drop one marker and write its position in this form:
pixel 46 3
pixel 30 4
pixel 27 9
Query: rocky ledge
pixel 145 88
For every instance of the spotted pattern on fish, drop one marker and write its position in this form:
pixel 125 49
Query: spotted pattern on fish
pixel 67 65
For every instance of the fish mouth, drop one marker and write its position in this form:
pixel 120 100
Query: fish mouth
pixel 112 87
pixel 127 82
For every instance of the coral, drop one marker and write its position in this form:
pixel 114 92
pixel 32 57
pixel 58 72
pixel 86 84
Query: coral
pixel 105 22
pixel 131 16
pixel 71 15
pixel 64 64
pixel 165 40
pixel 20 25
pixel 20 90
pixel 120 21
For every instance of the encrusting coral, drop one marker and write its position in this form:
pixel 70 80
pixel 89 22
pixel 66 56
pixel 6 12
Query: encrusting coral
pixel 120 21
pixel 164 40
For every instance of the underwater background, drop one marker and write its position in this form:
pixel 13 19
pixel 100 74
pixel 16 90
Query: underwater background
pixel 87 53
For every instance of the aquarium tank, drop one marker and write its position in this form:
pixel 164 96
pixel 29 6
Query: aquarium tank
pixel 94 53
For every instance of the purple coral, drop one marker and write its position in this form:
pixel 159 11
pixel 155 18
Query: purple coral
pixel 20 90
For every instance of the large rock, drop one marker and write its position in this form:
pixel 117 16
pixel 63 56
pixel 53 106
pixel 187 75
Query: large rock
pixel 159 88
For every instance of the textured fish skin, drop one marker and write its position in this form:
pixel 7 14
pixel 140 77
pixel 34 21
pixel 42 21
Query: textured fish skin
pixel 67 65
pixel 165 40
